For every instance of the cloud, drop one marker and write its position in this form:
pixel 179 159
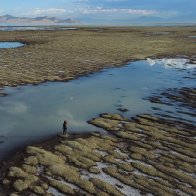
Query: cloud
pixel 97 10
pixel 1 11
pixel 49 11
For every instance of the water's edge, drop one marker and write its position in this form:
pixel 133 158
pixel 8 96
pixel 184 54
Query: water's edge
pixel 78 77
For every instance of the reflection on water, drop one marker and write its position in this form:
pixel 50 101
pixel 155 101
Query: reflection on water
pixel 11 44
pixel 30 113
pixel 172 63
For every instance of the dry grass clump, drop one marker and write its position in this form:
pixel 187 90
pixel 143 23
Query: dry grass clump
pixel 20 185
pixel 17 172
pixel 125 179
pixel 31 160
pixel 6 182
pixel 152 186
pixel 136 156
pixel 142 151
pixel 38 190
pixel 181 176
pixel 105 123
pixel 113 117
pixel 118 154
pixel 148 169
pixel 29 169
pixel 94 170
pixel 44 157
pixel 106 187
pixel 71 175
pixel 128 135
pixel 163 152
pixel 122 165
pixel 62 187
pixel 25 180
pixel 80 155
pixel 14 194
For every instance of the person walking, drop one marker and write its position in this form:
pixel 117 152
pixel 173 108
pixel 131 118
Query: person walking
pixel 64 127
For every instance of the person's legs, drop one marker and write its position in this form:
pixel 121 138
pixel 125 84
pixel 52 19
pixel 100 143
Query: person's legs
pixel 64 130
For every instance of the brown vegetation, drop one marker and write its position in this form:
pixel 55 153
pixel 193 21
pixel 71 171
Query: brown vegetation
pixel 63 55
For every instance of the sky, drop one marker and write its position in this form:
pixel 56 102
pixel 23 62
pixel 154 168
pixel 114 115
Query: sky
pixel 106 11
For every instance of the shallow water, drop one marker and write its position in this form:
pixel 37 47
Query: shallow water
pixel 31 113
pixel 159 33
pixel 192 36
pixel 11 44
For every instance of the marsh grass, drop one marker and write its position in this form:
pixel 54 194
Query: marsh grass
pixel 159 163
pixel 64 55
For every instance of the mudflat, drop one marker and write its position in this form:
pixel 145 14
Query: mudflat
pixel 63 55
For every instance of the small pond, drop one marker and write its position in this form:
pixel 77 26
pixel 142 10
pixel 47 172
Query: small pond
pixel 32 113
pixel 192 36
pixel 11 44
pixel 159 33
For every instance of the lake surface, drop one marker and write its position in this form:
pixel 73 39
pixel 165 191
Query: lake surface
pixel 10 44
pixel 35 28
pixel 32 113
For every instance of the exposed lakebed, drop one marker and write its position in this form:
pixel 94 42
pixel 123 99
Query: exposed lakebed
pixel 32 113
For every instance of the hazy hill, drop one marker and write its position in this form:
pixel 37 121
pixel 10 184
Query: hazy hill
pixel 42 19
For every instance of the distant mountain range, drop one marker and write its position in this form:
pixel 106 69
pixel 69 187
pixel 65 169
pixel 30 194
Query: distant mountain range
pixel 36 20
